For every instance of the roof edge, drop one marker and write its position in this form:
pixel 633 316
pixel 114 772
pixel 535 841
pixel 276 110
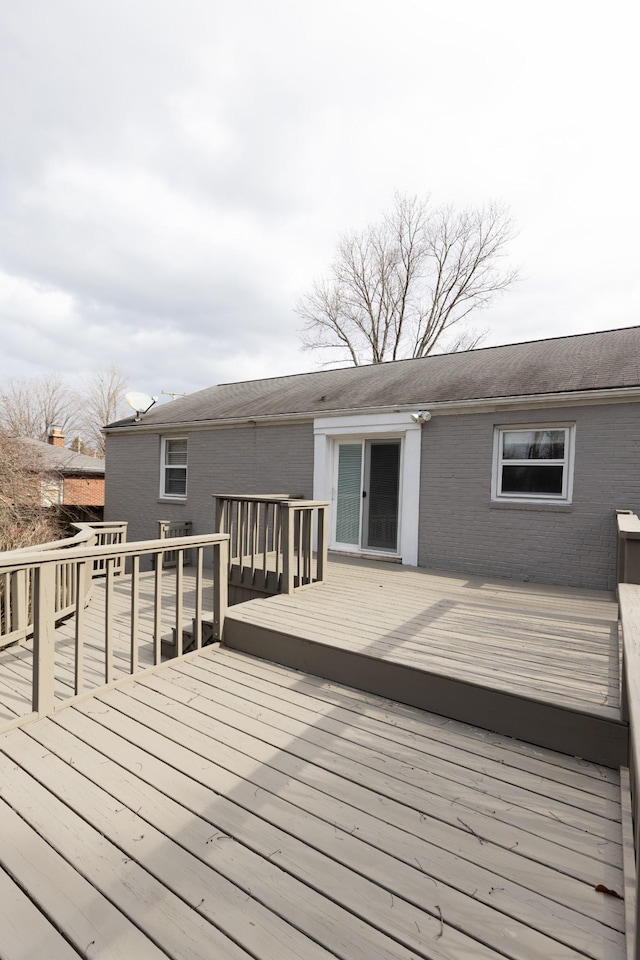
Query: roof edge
pixel 564 398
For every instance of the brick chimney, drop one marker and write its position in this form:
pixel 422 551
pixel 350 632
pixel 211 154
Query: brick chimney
pixel 55 438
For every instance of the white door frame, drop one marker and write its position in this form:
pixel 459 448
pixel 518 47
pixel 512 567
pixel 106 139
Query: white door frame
pixel 374 426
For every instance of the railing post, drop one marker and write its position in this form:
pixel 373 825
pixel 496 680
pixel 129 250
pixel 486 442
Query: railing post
pixel 322 552
pixel 628 554
pixel 287 547
pixel 220 586
pixel 219 521
pixel 44 635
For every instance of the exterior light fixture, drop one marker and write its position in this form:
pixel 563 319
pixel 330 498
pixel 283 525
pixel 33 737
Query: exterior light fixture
pixel 423 416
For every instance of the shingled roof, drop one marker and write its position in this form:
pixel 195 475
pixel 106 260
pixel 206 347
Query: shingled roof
pixel 587 362
pixel 65 461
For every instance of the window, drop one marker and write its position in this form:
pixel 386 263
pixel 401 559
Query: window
pixel 174 468
pixel 52 491
pixel 533 463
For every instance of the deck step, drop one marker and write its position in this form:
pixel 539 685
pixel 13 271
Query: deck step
pixel 588 734
pixel 188 639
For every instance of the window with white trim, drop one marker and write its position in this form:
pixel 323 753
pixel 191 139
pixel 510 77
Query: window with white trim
pixel 533 463
pixel 173 481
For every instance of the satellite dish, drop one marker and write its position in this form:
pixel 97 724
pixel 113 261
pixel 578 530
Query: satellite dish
pixel 140 402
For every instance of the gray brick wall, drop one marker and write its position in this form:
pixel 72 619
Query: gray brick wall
pixel 271 459
pixel 461 530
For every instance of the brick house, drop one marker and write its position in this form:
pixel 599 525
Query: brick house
pixel 74 482
pixel 503 461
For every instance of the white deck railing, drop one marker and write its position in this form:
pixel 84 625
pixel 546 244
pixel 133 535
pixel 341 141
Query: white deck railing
pixel 272 541
pixel 60 580
pixel 16 585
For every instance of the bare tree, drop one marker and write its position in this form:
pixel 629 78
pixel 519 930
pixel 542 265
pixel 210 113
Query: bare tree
pixel 24 520
pixel 103 402
pixel 406 283
pixel 28 408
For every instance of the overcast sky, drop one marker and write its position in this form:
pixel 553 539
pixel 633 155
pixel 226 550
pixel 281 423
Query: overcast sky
pixel 174 175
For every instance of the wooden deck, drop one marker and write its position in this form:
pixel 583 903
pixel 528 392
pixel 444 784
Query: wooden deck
pixel 228 807
pixel 16 663
pixel 536 662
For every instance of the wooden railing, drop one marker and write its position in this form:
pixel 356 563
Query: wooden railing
pixel 272 541
pixel 79 563
pixel 167 529
pixel 628 555
pixel 628 577
pixel 16 586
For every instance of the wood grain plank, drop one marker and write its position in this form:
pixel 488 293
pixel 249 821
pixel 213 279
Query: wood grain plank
pixel 184 933
pixel 86 918
pixel 378 835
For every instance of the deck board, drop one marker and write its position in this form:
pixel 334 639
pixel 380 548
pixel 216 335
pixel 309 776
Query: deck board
pixel 228 806
pixel 538 662
pixel 557 644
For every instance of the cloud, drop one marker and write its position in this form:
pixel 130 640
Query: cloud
pixel 172 178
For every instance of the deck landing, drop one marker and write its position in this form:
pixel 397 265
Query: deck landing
pixel 535 662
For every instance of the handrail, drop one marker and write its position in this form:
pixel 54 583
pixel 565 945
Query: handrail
pixel 16 586
pixel 41 567
pixel 272 540
pixel 84 533
pixel 629 602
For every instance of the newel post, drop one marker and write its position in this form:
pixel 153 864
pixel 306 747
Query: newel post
pixel 322 551
pixel 286 519
pixel 220 585
pixel 44 632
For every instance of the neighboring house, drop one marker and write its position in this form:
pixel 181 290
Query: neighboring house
pixel 515 469
pixel 74 482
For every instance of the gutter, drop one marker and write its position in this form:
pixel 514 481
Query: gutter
pixel 436 408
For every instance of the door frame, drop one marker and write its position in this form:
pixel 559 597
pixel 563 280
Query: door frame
pixel 392 426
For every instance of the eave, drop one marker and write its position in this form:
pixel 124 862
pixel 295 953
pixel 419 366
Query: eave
pixel 436 408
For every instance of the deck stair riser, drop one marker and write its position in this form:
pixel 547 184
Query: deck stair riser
pixel 596 739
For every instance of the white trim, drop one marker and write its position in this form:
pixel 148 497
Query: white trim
pixel 567 463
pixel 367 427
pixel 173 497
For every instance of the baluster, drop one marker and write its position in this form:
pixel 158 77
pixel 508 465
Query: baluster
pixel 179 600
pixel 6 611
pixel 198 617
pixel 265 534
pixel 242 517
pixel 44 632
pixel 254 538
pixel 157 610
pixel 108 621
pixel 80 588
pixel 238 516
pixel 277 537
pixel 135 612
pixel 308 514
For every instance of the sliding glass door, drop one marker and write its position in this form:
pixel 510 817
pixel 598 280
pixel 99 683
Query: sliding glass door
pixel 366 491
